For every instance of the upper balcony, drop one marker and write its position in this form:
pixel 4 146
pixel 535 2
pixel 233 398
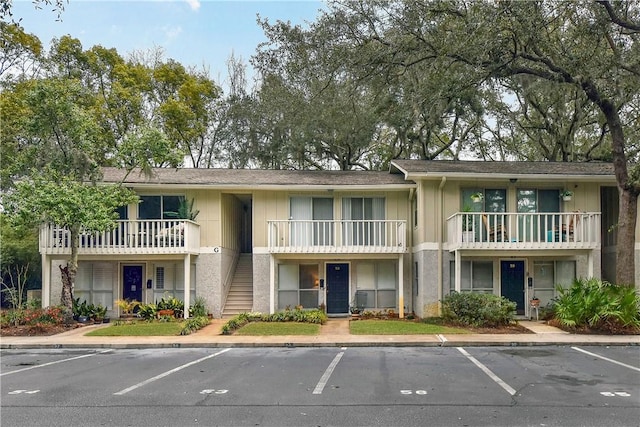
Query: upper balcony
pixel 128 237
pixel 485 230
pixel 337 236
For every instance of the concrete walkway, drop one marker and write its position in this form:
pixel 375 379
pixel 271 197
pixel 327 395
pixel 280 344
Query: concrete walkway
pixel 335 333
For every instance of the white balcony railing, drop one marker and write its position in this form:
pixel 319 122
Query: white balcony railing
pixel 141 236
pixel 329 236
pixel 562 230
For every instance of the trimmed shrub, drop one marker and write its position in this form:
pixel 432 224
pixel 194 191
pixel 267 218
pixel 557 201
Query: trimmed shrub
pixel 479 310
pixel 298 315
pixel 198 308
pixel 171 303
pixel 193 324
pixel 148 311
pixel 593 303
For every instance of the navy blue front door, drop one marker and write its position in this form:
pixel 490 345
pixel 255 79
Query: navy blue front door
pixel 512 282
pixel 132 282
pixel 337 288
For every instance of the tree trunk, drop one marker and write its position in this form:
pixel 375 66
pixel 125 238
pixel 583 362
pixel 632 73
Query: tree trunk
pixel 628 192
pixel 625 247
pixel 66 297
pixel 69 275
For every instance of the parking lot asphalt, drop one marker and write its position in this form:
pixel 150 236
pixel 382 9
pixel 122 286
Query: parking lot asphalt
pixel 335 333
pixel 322 386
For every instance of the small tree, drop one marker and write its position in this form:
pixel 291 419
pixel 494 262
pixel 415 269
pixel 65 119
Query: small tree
pixel 64 146
pixel 14 284
pixel 19 261
pixel 75 206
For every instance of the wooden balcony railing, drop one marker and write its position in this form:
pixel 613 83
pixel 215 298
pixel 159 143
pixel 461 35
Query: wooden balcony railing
pixel 561 230
pixel 337 236
pixel 141 236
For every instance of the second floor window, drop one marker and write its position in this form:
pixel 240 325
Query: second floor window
pixel 535 201
pixel 159 207
pixel 312 220
pixel 491 200
pixel 363 223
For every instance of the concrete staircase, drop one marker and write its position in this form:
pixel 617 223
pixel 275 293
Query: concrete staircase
pixel 240 296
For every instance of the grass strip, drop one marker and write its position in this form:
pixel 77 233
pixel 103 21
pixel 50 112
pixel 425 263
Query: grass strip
pixel 278 328
pixel 400 327
pixel 139 329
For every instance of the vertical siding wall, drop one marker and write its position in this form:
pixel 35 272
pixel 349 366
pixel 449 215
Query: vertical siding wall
pixel 209 204
pixel 267 205
pixel 231 221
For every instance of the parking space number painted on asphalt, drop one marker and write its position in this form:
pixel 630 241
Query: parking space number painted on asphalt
pixel 615 393
pixel 213 391
pixel 419 392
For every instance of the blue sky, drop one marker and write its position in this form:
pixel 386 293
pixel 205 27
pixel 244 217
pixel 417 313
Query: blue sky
pixel 193 32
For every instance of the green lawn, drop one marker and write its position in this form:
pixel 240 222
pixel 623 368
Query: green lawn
pixel 278 328
pixel 138 329
pixel 399 327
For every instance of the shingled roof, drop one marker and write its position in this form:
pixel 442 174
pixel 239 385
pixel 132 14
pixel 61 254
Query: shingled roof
pixel 508 169
pixel 240 178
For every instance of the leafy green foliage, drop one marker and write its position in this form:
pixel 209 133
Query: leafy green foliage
pixel 474 309
pixel 52 197
pixel 193 324
pixel 147 311
pixel 315 316
pixel 594 304
pixel 33 316
pixel 198 308
pixel 171 303
pixel 185 210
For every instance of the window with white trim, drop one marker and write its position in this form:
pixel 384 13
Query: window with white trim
pixel 364 220
pixel 297 285
pixel 94 283
pixel 379 282
pixel 548 274
pixel 475 276
pixel 311 220
pixel 169 281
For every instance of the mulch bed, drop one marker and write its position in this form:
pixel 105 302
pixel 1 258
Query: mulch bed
pixel 37 331
pixel 608 328
pixel 510 329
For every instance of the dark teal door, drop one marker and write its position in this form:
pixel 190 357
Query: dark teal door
pixel 512 282
pixel 337 288
pixel 132 282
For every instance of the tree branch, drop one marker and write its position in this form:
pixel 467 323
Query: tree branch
pixel 617 19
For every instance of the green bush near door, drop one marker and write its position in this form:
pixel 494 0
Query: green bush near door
pixel 478 310
pixel 594 303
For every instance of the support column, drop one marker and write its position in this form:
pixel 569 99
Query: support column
pixel 187 285
pixel 46 281
pixel 401 285
pixel 272 285
pixel 458 262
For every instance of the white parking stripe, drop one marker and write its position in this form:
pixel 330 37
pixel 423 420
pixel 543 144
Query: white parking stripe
pixel 606 358
pixel 53 363
pixel 488 371
pixel 164 374
pixel 327 373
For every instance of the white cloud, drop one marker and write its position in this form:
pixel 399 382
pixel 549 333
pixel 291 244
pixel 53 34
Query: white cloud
pixel 172 32
pixel 194 4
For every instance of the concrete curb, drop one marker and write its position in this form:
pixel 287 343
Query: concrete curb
pixel 334 334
